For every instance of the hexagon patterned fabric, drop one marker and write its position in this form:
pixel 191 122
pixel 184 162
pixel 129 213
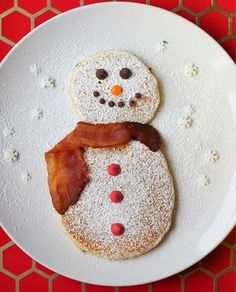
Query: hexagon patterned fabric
pixel 216 272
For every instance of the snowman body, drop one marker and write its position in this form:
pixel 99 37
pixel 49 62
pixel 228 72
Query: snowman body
pixel 110 87
pixel 145 210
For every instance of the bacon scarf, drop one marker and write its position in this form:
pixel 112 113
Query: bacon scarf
pixel 67 168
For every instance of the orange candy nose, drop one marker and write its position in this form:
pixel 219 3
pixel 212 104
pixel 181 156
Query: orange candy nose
pixel 116 89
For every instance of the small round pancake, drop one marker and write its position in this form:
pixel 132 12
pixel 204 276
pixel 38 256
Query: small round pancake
pixel 94 96
pixel 145 211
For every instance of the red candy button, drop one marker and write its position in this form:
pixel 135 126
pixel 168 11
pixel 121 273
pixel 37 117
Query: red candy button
pixel 114 169
pixel 116 196
pixel 117 229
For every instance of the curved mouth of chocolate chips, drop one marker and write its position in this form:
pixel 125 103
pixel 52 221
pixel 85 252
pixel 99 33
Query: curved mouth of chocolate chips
pixel 132 102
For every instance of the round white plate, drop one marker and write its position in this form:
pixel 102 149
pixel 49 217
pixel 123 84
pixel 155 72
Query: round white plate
pixel 204 214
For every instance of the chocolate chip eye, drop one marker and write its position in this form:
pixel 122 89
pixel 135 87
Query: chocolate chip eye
pixel 125 73
pixel 101 74
pixel 138 95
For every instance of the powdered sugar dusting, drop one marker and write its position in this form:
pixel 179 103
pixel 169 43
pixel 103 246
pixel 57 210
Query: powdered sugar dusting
pixel 145 210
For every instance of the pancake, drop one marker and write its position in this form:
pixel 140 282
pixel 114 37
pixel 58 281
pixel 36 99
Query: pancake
pixel 105 107
pixel 145 211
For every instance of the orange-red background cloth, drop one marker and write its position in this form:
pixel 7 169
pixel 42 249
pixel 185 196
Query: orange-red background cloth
pixel 216 272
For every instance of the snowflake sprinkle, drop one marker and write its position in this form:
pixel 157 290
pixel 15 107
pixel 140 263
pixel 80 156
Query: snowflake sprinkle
pixel 6 132
pixel 48 82
pixel 26 177
pixel 37 114
pixel 199 146
pixel 186 122
pixel 11 155
pixel 204 180
pixel 191 70
pixel 189 110
pixel 212 156
pixel 161 46
pixel 35 69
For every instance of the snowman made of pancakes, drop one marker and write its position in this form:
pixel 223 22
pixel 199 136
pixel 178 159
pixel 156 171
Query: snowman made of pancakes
pixel 108 178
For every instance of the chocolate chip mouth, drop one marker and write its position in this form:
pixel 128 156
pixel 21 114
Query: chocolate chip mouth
pixel 132 102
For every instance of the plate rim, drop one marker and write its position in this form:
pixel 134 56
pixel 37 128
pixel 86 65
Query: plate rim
pixel 229 61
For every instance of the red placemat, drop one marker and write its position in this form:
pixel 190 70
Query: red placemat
pixel 216 272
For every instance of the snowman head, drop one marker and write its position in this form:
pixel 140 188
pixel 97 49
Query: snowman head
pixel 114 86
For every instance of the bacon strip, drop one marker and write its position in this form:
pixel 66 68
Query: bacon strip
pixel 67 169
pixel 109 135
pixel 145 134
pixel 67 177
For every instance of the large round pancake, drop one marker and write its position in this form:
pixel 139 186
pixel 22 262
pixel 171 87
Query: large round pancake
pixel 145 211
pixel 84 82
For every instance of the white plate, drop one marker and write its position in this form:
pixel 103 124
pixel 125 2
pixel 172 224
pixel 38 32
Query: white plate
pixel 204 215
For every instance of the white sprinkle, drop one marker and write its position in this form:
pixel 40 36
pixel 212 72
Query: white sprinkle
pixel 191 70
pixel 186 122
pixel 204 180
pixel 48 82
pixel 11 155
pixel 211 156
pixel 199 146
pixel 161 46
pixel 35 69
pixel 26 177
pixel 6 132
pixel 37 114
pixel 189 109
pixel 24 52
pixel 176 78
